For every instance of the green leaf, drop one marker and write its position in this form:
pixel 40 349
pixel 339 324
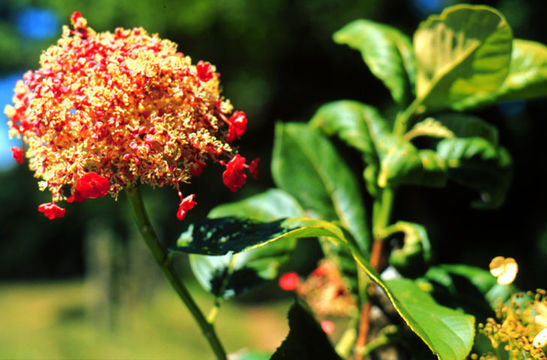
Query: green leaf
pixel 360 126
pixel 230 234
pixel 467 126
pixel 527 77
pixel 270 205
pixel 386 51
pixel 449 333
pixel 350 121
pixel 306 165
pixel 229 275
pixel 429 127
pixel 434 324
pixel 477 163
pixel 413 257
pixel 473 289
pixel 402 163
pixel 481 279
pixel 306 339
pixel 463 56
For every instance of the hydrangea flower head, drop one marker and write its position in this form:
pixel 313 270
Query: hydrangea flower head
pixel 106 111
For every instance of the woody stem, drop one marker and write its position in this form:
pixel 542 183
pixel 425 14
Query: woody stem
pixel 162 258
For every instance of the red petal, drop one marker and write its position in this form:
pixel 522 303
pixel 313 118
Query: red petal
pixel 92 186
pixel 205 71
pixel 51 210
pixel 289 281
pixel 253 168
pixel 185 205
pixel 18 154
pixel 234 176
pixel 75 16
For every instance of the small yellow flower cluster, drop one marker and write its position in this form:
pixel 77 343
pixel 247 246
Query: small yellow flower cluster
pixel 518 329
pixel 125 107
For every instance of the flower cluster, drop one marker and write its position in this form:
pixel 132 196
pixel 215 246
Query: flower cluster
pixel 324 290
pixel 106 111
pixel 519 330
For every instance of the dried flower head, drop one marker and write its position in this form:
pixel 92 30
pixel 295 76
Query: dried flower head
pixel 106 111
pixel 327 292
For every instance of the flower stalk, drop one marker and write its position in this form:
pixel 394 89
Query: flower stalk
pixel 163 260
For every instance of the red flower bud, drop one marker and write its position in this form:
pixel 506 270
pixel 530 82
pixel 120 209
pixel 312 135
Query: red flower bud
pixel 253 168
pixel 92 186
pixel 75 16
pixel 185 205
pixel 18 154
pixel 234 176
pixel 51 210
pixel 327 326
pixel 205 71
pixel 237 126
pixel 289 281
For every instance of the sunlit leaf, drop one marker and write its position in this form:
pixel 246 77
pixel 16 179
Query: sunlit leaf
pixel 351 121
pixel 270 205
pixel 360 126
pixel 467 126
pixel 527 77
pixel 229 275
pixel 429 127
pixel 403 163
pixel 386 51
pixel 477 163
pixel 468 287
pixel 448 333
pixel 463 56
pixel 306 165
pixel 412 258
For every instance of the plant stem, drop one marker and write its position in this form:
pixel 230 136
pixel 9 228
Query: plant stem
pixel 161 256
pixel 364 324
pixel 381 214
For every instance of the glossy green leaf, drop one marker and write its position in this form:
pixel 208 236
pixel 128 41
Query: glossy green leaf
pixel 463 56
pixel 433 323
pixel 413 257
pixel 351 121
pixel 306 339
pixel 231 274
pixel 231 234
pixel 270 205
pixel 402 163
pixel 467 126
pixel 477 163
pixel 473 289
pixel 306 165
pixel 429 127
pixel 360 126
pixel 527 77
pixel 449 333
pixel 386 51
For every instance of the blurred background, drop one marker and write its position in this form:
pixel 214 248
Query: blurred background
pixel 84 286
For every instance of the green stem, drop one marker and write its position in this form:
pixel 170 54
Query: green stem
pixel 162 258
pixel 211 318
pixel 402 121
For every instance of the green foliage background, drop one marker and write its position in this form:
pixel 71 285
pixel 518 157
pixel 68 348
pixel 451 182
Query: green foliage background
pixel 278 62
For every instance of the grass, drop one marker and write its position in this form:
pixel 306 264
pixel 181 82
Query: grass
pixel 53 320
